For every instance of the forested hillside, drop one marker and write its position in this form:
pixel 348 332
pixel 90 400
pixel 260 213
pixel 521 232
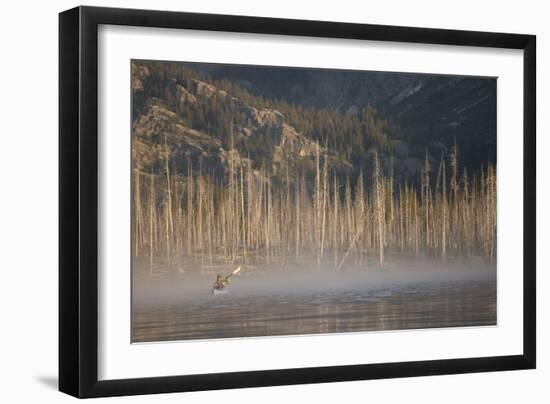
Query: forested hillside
pixel 426 109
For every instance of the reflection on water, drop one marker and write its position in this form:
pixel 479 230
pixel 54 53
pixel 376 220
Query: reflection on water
pixel 426 305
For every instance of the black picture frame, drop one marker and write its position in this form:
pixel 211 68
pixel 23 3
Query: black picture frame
pixel 78 201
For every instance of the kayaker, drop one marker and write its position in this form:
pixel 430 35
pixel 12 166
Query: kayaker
pixel 221 283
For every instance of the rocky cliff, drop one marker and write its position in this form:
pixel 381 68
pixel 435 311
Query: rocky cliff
pixel 162 131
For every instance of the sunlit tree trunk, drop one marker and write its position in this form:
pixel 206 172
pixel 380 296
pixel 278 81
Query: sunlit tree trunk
pixel 379 206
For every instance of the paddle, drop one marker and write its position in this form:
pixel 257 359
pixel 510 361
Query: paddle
pixel 235 271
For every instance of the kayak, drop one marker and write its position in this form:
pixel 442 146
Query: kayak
pixel 219 285
pixel 218 291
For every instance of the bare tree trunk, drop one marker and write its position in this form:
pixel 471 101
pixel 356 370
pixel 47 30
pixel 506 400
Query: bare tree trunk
pixel 426 197
pixel 335 221
pixel 324 208
pixel 317 203
pixel 243 217
pixel 454 197
pixel 151 212
pixel 379 205
pixel 361 216
pixel 189 207
pixel 444 216
pixel 169 219
pixel 297 202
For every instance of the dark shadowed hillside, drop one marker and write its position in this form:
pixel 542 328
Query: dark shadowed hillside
pixel 425 109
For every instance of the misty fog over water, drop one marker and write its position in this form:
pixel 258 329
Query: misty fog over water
pixel 405 294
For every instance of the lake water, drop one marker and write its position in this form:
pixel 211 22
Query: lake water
pixel 349 308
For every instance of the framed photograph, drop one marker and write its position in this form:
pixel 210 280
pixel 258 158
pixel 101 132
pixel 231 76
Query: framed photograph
pixel 250 202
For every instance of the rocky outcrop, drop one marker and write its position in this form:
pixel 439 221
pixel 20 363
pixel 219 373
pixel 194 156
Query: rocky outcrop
pixel 160 133
pixel 265 117
pixel 296 152
pixel 139 74
pixel 204 90
pixel 183 96
pixel 293 145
